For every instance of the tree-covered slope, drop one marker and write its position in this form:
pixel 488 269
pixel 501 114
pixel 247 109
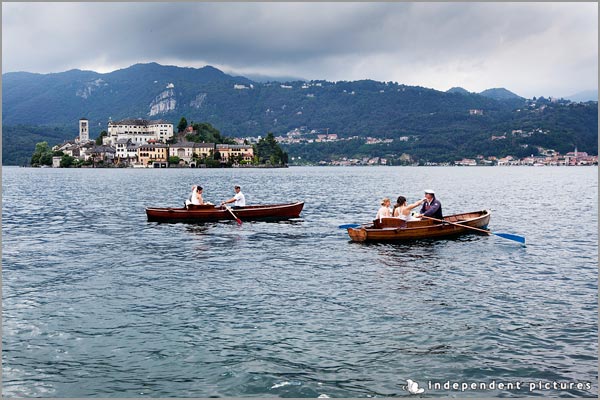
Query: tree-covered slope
pixel 443 121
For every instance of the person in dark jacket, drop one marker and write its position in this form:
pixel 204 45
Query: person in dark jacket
pixel 431 206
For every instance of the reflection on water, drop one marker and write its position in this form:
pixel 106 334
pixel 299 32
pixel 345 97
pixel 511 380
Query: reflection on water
pixel 198 229
pixel 97 301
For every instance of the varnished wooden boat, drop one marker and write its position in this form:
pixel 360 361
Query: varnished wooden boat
pixel 395 229
pixel 207 213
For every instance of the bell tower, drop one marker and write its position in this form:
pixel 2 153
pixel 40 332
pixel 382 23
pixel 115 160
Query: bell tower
pixel 84 130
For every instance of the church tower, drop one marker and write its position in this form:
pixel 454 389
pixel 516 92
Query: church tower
pixel 84 130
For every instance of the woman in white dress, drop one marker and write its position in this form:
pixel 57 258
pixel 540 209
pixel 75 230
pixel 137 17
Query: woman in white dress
pixel 402 210
pixel 196 196
pixel 384 210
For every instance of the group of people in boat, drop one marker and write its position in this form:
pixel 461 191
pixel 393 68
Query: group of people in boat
pixel 195 198
pixel 430 207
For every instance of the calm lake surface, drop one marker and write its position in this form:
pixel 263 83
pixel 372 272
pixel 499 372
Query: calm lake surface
pixel 99 302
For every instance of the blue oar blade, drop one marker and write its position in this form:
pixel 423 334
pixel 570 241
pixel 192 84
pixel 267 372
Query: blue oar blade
pixel 509 236
pixel 346 226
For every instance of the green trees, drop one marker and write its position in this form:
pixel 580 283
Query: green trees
pixel 268 151
pixel 212 163
pixel 182 125
pixel 99 138
pixel 42 155
pixel 66 161
pixel 205 132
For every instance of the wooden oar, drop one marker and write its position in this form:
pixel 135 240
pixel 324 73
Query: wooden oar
pixel 239 221
pixel 508 236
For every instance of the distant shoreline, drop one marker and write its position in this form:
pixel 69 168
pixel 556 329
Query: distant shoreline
pixel 320 166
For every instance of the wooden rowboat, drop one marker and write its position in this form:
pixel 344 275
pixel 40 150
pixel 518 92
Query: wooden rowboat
pixel 207 213
pixel 395 229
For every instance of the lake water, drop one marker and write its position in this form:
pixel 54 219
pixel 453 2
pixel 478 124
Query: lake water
pixel 99 302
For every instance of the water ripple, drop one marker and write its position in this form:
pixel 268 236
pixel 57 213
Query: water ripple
pixel 98 302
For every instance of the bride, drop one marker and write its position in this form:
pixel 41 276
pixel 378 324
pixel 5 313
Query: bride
pixel 402 210
pixel 196 196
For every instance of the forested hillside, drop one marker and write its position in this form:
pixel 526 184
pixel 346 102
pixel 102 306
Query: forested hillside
pixel 441 124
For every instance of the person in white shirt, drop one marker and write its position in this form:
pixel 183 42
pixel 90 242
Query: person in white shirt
pixel 239 200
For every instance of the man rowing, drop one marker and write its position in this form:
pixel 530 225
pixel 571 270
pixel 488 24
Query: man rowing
pixel 238 200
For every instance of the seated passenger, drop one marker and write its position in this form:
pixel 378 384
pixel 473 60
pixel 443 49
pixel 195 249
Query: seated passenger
pixel 402 210
pixel 384 210
pixel 195 197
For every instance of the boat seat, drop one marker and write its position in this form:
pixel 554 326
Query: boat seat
pixel 391 222
pixel 388 222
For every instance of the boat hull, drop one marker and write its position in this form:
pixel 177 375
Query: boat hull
pixel 210 213
pixel 397 230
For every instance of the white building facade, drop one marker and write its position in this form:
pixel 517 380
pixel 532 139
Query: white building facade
pixel 125 151
pixel 139 131
pixel 183 150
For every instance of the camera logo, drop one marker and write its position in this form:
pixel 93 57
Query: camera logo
pixel 413 387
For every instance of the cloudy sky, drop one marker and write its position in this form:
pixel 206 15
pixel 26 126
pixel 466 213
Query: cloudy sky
pixel 532 49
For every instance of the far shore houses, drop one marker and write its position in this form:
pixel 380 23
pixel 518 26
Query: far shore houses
pixel 140 143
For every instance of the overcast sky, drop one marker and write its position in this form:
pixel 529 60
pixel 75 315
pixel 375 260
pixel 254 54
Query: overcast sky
pixel 532 49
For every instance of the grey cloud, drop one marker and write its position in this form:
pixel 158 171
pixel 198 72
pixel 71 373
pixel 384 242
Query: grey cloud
pixel 315 40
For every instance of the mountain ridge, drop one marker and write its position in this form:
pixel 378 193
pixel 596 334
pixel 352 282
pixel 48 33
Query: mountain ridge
pixel 458 89
pixel 142 90
pixel 583 96
pixel 239 106
pixel 500 94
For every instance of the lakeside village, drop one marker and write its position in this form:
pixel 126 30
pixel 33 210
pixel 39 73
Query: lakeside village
pixel 547 156
pixel 140 143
